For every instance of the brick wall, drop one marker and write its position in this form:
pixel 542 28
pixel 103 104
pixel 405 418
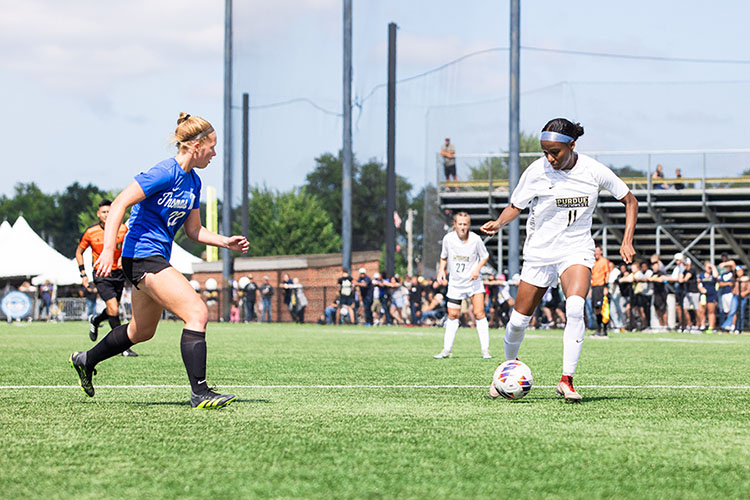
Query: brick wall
pixel 319 279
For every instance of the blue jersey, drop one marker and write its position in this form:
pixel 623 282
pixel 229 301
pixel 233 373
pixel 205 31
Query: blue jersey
pixel 171 193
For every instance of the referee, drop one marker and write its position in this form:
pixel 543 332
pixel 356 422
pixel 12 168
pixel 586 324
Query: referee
pixel 110 288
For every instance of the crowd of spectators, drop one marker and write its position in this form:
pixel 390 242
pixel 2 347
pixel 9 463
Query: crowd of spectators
pixel 644 295
pixel 710 298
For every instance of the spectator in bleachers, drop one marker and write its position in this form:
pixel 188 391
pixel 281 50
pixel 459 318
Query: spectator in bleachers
pixel 657 179
pixel 707 286
pixel 725 279
pixel 448 152
pixel 678 175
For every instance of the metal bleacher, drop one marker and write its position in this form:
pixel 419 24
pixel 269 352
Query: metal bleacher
pixel 710 216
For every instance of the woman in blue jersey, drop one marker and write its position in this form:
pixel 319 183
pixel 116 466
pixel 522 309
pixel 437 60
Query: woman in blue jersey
pixel 164 198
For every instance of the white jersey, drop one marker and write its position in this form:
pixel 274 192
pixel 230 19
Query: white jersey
pixel 562 206
pixel 462 256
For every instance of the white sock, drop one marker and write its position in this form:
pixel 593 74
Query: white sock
pixel 483 329
pixel 573 334
pixel 451 327
pixel 514 333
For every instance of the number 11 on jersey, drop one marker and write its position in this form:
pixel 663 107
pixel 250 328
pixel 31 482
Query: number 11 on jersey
pixel 572 215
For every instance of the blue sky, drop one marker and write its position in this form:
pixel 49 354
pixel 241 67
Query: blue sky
pixel 92 90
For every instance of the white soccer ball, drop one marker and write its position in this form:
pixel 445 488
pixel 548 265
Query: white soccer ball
pixel 513 379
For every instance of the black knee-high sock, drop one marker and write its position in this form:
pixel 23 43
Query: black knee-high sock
pixel 114 321
pixel 113 344
pixel 599 321
pixel 193 348
pixel 100 317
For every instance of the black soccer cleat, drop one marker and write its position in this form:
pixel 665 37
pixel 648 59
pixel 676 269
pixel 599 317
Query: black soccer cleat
pixel 84 374
pixel 93 328
pixel 210 400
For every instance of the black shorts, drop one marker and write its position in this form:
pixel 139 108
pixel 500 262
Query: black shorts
pixel 597 296
pixel 111 286
pixel 347 300
pixel 643 300
pixel 450 171
pixel 660 301
pixel 136 269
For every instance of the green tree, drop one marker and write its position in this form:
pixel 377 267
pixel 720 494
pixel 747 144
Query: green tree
pixel 289 223
pixel 528 144
pixel 368 197
pixel 39 209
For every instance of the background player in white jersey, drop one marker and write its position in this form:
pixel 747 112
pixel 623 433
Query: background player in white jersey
pixel 463 256
pixel 561 190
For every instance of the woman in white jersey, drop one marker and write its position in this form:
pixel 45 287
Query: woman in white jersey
pixel 561 189
pixel 462 258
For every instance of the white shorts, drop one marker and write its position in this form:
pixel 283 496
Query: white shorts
pixel 547 275
pixel 463 292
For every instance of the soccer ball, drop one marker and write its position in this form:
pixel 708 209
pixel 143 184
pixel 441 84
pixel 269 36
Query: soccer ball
pixel 513 379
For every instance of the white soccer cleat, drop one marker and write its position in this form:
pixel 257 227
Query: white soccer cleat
pixel 443 354
pixel 565 389
pixel 486 354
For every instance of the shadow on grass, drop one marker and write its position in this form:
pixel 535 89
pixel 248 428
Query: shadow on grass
pixel 170 403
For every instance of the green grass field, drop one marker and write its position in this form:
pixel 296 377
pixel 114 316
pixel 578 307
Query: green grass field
pixel 307 425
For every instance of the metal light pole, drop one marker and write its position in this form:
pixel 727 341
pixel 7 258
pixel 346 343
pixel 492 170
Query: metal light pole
pixel 514 160
pixel 390 204
pixel 226 213
pixel 346 177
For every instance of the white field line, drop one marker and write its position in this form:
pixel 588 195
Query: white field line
pixel 406 332
pixel 383 386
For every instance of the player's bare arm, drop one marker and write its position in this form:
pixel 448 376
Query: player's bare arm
pixel 127 198
pixel 627 252
pixel 441 272
pixel 508 215
pixel 475 272
pixel 196 232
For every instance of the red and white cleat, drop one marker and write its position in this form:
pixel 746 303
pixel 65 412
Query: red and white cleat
pixel 565 389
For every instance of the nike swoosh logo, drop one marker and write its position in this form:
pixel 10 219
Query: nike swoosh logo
pixel 579 341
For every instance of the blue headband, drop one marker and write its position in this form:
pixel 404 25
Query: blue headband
pixel 555 137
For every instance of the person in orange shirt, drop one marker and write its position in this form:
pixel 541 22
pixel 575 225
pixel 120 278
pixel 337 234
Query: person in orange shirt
pixel 110 288
pixel 599 281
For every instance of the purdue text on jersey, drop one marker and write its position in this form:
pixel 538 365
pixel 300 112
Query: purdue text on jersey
pixel 574 202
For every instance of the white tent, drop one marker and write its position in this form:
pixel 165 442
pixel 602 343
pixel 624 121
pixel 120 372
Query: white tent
pixel 181 259
pixel 5 229
pixel 24 253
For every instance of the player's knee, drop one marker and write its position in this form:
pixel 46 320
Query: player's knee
pixel 574 307
pixel 197 317
pixel 518 321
